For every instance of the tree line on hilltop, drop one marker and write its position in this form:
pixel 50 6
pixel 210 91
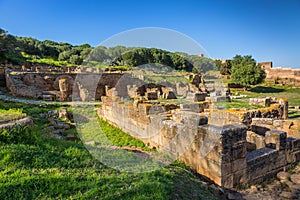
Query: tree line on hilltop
pixel 13 49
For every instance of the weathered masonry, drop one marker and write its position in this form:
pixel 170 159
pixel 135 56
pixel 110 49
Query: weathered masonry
pixel 231 155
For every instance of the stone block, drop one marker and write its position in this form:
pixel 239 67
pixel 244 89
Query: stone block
pixel 256 139
pixel 200 96
pixel 232 134
pixel 238 165
pixel 227 181
pixel 277 138
pixel 239 150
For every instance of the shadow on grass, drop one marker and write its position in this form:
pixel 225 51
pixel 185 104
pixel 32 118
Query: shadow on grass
pixel 294 114
pixel 263 89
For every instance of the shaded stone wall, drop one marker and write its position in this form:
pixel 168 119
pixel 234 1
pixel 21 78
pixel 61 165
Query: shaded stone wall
pixel 2 77
pixel 34 85
pixel 280 152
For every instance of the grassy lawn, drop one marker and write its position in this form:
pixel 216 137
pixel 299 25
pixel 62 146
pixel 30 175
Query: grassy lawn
pixel 241 103
pixel 11 114
pixel 48 168
pixel 292 94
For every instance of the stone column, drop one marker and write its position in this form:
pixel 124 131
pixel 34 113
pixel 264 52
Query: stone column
pixel 284 102
pixel 64 89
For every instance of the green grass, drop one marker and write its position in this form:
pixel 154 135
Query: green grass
pixel 48 168
pixel 45 60
pixel 11 114
pixel 292 94
pixel 293 114
pixel 119 138
pixel 241 103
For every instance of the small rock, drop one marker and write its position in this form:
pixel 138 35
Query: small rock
pixel 288 195
pixel 90 143
pixel 70 137
pixel 61 125
pixel 59 137
pixel 52 112
pixel 52 121
pixel 253 188
pixel 58 131
pixel 234 196
pixel 293 187
pixel 295 178
pixel 297 168
pixel 49 128
pixel 273 186
pixel 64 114
pixel 283 176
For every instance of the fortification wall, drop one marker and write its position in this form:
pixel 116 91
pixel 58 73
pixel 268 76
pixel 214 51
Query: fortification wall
pixel 279 72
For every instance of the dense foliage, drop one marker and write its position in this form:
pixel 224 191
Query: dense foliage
pixel 225 68
pixel 12 46
pixel 245 71
pixel 142 56
pixel 15 50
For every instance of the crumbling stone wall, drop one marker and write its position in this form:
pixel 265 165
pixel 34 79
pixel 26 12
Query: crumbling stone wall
pixel 35 85
pixel 217 151
pixel 262 125
pixel 278 110
pixel 279 72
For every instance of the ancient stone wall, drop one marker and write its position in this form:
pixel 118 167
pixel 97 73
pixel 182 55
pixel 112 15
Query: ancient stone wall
pixel 260 101
pixel 278 110
pixel 279 72
pixel 218 152
pixel 36 85
pixel 291 127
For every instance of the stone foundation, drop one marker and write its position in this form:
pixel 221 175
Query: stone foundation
pixel 219 152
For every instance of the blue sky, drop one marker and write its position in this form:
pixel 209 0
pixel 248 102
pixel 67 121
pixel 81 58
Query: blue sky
pixel 269 30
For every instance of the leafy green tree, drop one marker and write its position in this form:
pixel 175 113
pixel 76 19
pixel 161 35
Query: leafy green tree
pixel 75 59
pixel 218 63
pixel 245 71
pixel 225 68
pixel 202 64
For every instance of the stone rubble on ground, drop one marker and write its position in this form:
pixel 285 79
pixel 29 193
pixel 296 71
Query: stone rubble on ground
pixel 285 186
pixel 58 126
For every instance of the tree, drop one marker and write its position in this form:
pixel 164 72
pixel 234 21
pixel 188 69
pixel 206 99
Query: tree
pixel 218 63
pixel 245 71
pixel 75 59
pixel 225 68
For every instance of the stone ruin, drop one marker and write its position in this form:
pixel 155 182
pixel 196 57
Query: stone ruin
pixel 55 85
pixel 231 147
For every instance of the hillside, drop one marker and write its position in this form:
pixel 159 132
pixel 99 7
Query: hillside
pixel 18 50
